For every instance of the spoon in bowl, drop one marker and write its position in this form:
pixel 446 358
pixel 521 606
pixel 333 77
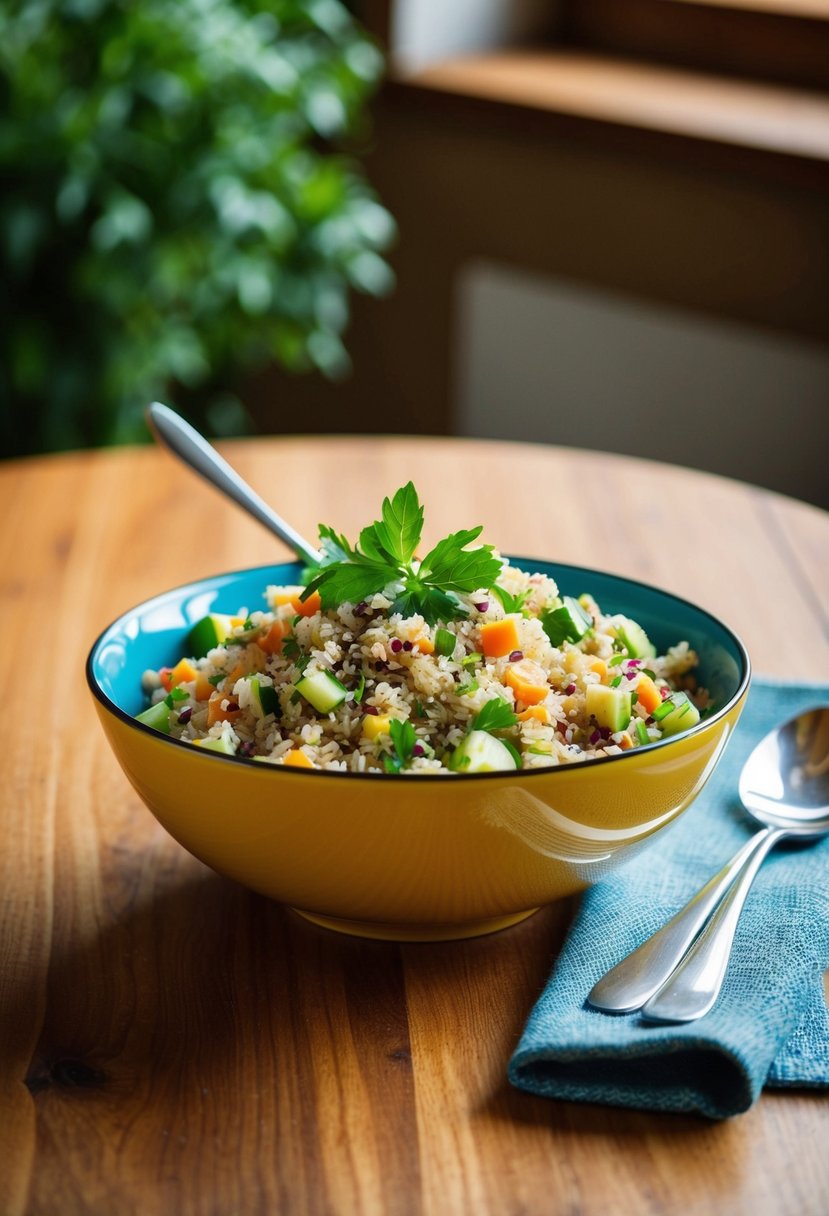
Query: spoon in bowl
pixel 676 975
pixel 185 442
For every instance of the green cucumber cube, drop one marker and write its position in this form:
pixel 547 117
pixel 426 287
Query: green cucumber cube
pixel 611 707
pixel 634 639
pixel 223 745
pixel 210 631
pixel 157 716
pixel 322 691
pixel 481 752
pixel 682 716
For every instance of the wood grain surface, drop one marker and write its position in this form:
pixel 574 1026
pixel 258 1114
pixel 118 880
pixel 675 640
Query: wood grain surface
pixel 170 1042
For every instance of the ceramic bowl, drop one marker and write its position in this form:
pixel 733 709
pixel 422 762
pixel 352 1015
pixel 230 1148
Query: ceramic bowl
pixel 405 857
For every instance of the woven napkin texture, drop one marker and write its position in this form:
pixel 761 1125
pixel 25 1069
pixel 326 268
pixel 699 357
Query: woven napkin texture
pixel 770 1025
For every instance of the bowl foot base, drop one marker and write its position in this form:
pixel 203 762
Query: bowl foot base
pixel 401 932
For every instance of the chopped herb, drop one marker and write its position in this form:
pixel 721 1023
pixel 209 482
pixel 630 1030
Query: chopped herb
pixel 295 697
pixel 419 711
pixel 471 660
pixel 495 715
pixel 295 620
pixel 646 671
pixel 215 680
pixel 383 557
pixel 360 689
pixel 290 648
pixel 511 603
pixel 403 740
pixel 514 752
pixel 540 751
pixel 569 623
pixel 464 690
pixel 616 660
pixel 642 732
pixel 302 662
pixel 248 623
pixel 634 697
pixel 616 682
pixel 175 694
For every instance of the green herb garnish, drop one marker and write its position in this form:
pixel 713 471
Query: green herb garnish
pixel 495 715
pixel 403 740
pixel 471 660
pixel 463 690
pixel 616 660
pixel 509 602
pixel 216 680
pixel 175 694
pixel 383 558
pixel 360 689
pixel 290 648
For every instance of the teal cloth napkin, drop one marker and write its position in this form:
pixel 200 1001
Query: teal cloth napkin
pixel 770 1025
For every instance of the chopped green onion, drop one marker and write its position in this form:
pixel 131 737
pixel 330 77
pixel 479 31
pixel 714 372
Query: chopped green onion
pixel 175 694
pixel 616 660
pixel 464 690
pixel 360 689
pixel 662 711
pixel 215 680
pixel 642 732
pixel 471 660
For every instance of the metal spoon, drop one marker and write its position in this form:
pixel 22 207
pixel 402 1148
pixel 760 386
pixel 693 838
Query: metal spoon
pixel 184 441
pixel 676 975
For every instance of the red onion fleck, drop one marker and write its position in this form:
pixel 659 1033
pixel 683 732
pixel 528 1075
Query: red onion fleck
pixel 664 693
pixel 360 609
pixel 185 715
pixel 371 709
pixel 604 731
pixel 247 748
pixel 562 726
pixel 483 606
pixel 417 750
pixel 396 645
pixel 516 655
pixel 595 737
pixel 569 690
pixel 633 663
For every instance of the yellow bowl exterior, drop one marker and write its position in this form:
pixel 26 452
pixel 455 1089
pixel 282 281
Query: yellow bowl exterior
pixel 419 858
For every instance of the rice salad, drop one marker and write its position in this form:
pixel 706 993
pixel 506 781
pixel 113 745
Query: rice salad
pixel 454 663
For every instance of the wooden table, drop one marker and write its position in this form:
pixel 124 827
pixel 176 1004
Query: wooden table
pixel 173 1043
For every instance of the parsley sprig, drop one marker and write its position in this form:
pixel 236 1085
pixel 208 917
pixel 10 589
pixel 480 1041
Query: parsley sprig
pixel 384 558
pixel 403 740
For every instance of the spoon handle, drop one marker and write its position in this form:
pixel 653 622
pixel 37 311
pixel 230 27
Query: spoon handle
pixel 191 447
pixel 633 981
pixel 692 990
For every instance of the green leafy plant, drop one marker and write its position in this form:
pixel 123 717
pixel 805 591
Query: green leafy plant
pixel 176 207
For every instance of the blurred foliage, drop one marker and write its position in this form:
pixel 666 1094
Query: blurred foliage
pixel 176 208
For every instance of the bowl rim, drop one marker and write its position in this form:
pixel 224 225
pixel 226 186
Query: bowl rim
pixel 499 775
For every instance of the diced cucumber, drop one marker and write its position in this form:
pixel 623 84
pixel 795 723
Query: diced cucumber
pixel 445 642
pixel 481 752
pixel 322 691
pixel 223 744
pixel 157 716
pixel 634 639
pixel 264 699
pixel 642 733
pixel 210 631
pixel 611 707
pixel 682 715
pixel 568 623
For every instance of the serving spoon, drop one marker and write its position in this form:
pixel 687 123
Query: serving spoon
pixel 185 442
pixel 676 975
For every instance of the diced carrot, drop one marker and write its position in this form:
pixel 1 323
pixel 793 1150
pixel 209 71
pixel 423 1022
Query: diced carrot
pixel 307 607
pixel 539 712
pixel 296 759
pixel 182 673
pixel 215 712
pixel 528 681
pixel 164 676
pixel 600 668
pixel 625 742
pixel 424 644
pixel 648 694
pixel 204 689
pixel 499 638
pixel 271 643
